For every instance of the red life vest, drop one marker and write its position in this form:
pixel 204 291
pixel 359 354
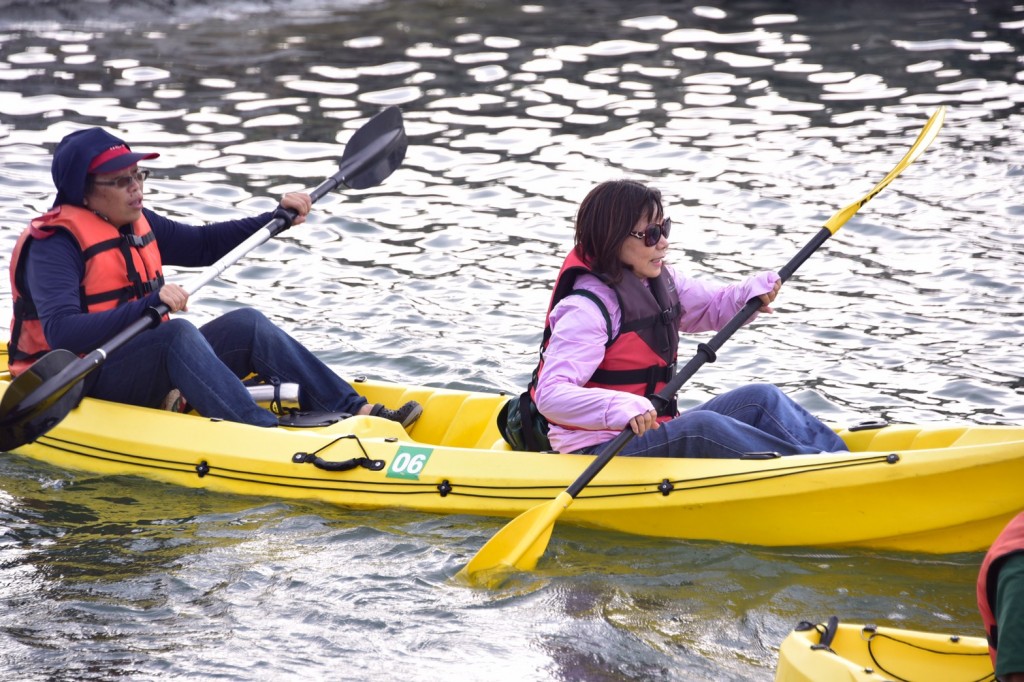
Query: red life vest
pixel 120 265
pixel 1009 542
pixel 641 358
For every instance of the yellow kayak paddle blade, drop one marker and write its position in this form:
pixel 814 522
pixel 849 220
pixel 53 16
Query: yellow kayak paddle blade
pixel 517 546
pixel 924 138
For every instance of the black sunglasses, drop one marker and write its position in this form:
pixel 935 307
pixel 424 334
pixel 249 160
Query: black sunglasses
pixel 652 235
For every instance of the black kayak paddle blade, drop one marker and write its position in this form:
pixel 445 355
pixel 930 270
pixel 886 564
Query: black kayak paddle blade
pixel 382 144
pixel 23 421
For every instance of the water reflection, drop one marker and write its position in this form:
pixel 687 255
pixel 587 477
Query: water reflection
pixel 757 119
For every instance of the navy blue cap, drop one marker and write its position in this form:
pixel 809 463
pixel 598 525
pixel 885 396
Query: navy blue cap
pixel 82 152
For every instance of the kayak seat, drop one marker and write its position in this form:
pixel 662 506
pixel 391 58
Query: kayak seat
pixel 457 419
pixel 452 418
pixel 299 419
pixel 476 422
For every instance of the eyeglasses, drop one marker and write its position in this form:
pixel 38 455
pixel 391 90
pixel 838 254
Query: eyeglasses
pixel 652 235
pixel 124 181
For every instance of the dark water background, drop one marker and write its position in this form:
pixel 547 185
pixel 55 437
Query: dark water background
pixel 757 119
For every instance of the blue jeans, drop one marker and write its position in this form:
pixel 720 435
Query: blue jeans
pixel 754 418
pixel 207 365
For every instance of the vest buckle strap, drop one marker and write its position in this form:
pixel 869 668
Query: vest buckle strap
pixel 665 407
pixel 659 375
pixel 134 240
pixel 141 289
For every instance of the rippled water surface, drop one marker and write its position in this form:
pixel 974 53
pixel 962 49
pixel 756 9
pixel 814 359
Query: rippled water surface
pixel 757 119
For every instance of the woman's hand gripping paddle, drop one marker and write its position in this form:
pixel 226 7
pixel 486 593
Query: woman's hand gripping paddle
pixel 39 398
pixel 523 540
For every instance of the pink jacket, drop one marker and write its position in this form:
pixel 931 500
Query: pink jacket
pixel 576 348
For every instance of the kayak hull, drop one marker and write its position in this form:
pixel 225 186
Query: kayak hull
pixel 836 652
pixel 932 488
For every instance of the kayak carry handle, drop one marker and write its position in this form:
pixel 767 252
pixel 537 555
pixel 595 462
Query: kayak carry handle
pixel 831 628
pixel 327 465
pixel 321 463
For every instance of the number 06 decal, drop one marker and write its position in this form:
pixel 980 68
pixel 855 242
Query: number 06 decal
pixel 409 462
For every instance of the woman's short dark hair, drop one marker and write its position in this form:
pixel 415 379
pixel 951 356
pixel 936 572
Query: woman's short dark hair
pixel 606 217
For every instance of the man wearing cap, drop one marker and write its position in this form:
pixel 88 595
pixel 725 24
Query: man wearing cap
pixel 93 264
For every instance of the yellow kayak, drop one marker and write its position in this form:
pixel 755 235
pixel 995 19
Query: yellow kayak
pixel 940 488
pixel 836 652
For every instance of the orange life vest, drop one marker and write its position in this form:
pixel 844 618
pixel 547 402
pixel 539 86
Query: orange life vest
pixel 1009 542
pixel 120 265
pixel 641 358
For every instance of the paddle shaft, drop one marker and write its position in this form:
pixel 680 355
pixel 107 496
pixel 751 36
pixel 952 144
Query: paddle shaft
pixel 522 541
pixel 706 352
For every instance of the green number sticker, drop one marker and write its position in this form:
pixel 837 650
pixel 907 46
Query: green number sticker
pixel 409 462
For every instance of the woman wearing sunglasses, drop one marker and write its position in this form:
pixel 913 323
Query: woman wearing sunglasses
pixel 93 265
pixel 612 333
